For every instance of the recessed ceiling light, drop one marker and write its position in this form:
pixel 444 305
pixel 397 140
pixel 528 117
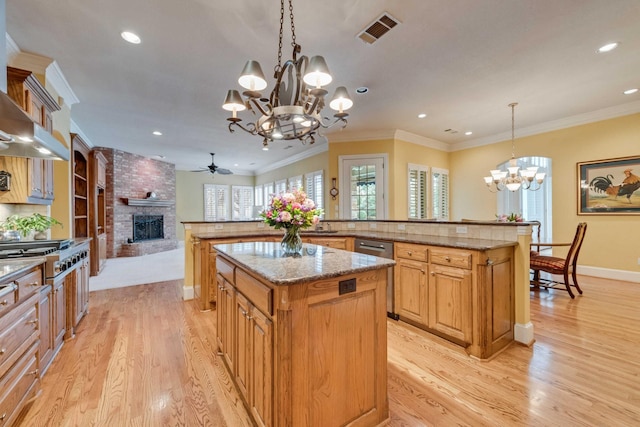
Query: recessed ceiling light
pixel 468 133
pixel 630 91
pixel 608 47
pixel 130 37
pixel 422 115
pixel 362 89
pixel 236 164
pixel 157 133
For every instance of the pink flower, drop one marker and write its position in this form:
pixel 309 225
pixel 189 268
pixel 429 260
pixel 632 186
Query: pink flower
pixel 315 219
pixel 284 216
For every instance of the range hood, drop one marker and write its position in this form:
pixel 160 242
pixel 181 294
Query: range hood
pixel 21 137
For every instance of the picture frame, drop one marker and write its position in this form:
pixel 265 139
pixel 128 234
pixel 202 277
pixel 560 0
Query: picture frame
pixel 609 187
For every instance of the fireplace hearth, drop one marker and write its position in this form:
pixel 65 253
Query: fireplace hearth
pixel 148 227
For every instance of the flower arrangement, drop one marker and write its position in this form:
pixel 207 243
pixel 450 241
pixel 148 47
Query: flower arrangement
pixel 292 211
pixel 512 217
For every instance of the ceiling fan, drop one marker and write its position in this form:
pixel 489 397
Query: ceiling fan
pixel 212 168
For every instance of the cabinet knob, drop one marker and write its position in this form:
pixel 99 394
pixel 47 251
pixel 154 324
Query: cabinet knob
pixel 448 259
pixel 3 351
pixel 3 416
pixel 33 322
pixel 410 253
pixel 422 271
pixel 34 372
pixel 34 284
pixel 433 273
pixel 4 302
pixel 489 262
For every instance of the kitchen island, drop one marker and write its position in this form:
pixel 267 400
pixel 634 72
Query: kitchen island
pixel 304 337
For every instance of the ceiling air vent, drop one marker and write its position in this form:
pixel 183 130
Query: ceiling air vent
pixel 378 28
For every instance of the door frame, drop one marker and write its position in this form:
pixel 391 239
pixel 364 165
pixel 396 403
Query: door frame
pixel 344 181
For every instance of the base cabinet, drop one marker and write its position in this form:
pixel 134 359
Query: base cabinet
pixel 290 365
pixel 461 295
pixel 45 317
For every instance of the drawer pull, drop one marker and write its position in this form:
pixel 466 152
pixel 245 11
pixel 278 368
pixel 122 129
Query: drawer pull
pixel 489 262
pixel 448 259
pixel 2 351
pixel 422 271
pixel 33 322
pixel 34 284
pixel 410 253
pixel 433 273
pixel 34 372
pixel 4 302
pixel 3 416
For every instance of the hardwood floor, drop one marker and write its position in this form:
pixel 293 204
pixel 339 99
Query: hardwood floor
pixel 144 357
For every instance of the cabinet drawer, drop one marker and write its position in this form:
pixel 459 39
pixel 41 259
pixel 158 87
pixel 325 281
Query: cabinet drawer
pixel 17 327
pixel 451 258
pixel 260 295
pixel 225 269
pixel 15 386
pixel 8 297
pixel 29 283
pixel 409 251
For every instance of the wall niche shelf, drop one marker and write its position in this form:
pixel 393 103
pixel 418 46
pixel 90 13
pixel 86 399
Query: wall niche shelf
pixel 147 202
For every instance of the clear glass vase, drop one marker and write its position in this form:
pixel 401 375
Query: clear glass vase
pixel 291 241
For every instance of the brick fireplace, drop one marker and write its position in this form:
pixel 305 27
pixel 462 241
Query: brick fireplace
pixel 130 178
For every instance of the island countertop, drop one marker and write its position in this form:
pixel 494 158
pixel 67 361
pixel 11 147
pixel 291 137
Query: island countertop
pixel 267 260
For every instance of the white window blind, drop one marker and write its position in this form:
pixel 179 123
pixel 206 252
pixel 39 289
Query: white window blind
pixel 417 191
pixel 314 187
pixel 281 186
pixel 268 190
pixel 216 202
pixel 440 193
pixel 242 206
pixel 295 182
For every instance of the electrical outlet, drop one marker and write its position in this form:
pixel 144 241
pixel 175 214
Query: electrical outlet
pixel 461 230
pixel 218 226
pixel 373 225
pixel 351 225
pixel 401 227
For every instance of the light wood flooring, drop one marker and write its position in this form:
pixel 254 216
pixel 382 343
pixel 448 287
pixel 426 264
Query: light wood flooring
pixel 144 357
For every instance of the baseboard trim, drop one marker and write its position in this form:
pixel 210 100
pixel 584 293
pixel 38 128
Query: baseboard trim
pixel 609 273
pixel 523 333
pixel 187 293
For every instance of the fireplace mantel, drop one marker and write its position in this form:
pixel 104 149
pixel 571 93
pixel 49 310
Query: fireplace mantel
pixel 147 202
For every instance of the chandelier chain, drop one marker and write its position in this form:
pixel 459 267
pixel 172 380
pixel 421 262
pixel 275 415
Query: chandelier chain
pixel 293 26
pixel 513 125
pixel 279 65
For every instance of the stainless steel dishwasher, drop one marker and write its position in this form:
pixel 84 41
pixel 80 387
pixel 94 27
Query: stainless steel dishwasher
pixel 382 249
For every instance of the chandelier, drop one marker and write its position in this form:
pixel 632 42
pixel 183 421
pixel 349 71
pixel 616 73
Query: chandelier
pixel 510 179
pixel 293 110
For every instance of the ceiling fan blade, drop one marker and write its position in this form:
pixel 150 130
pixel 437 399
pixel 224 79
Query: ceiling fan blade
pixel 224 171
pixel 201 170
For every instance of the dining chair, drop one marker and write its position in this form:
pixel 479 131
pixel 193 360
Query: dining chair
pixel 556 265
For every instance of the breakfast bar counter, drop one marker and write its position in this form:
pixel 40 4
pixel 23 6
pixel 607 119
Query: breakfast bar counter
pixel 304 337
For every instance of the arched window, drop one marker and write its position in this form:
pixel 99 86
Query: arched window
pixel 532 205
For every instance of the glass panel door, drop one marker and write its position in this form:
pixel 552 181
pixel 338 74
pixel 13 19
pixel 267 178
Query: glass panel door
pixel 362 187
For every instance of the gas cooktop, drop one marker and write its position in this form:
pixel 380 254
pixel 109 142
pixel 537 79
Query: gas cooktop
pixel 29 245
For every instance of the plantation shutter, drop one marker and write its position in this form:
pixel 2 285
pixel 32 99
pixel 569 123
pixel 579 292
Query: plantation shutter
pixel 440 187
pixel 242 207
pixel 314 187
pixel 281 186
pixel 417 191
pixel 295 182
pixel 216 202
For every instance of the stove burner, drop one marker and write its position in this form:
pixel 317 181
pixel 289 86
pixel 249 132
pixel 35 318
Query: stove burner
pixel 23 253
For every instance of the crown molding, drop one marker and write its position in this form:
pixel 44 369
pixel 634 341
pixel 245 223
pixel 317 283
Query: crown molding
pixel 316 149
pixel 73 127
pixel 567 122
pixel 28 61
pixel 60 84
pixel 421 140
pixel 339 137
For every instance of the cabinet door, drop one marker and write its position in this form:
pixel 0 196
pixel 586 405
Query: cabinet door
pixel 411 291
pixel 450 302
pixel 243 336
pixel 102 250
pixel 36 172
pixel 45 319
pixel 47 179
pixel 225 331
pixel 59 314
pixel 261 385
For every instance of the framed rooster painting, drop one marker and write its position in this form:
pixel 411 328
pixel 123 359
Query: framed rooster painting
pixel 609 187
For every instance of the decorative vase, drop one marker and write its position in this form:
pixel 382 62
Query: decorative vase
pixel 291 241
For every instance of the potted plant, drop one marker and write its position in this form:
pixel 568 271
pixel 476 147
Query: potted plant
pixel 16 226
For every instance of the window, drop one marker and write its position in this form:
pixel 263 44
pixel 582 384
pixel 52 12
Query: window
pixel 363 186
pixel 440 193
pixel 533 205
pixel 258 196
pixel 216 202
pixel 281 186
pixel 314 188
pixel 268 190
pixel 295 182
pixel 417 191
pixel 242 207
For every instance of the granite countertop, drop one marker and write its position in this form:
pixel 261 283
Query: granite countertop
pixel 267 260
pixel 16 266
pixel 444 241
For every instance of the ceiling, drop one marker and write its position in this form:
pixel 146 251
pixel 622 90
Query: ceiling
pixel 459 61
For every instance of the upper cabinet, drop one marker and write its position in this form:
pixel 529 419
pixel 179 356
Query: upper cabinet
pixel 31 179
pixel 81 198
pixel 98 212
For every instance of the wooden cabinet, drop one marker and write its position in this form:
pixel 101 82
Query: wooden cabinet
pixel 98 211
pixel 59 323
pixel 45 317
pixel 80 157
pixel 344 243
pixel 20 328
pixel 32 179
pixel 465 296
pixel 76 286
pixel 290 365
